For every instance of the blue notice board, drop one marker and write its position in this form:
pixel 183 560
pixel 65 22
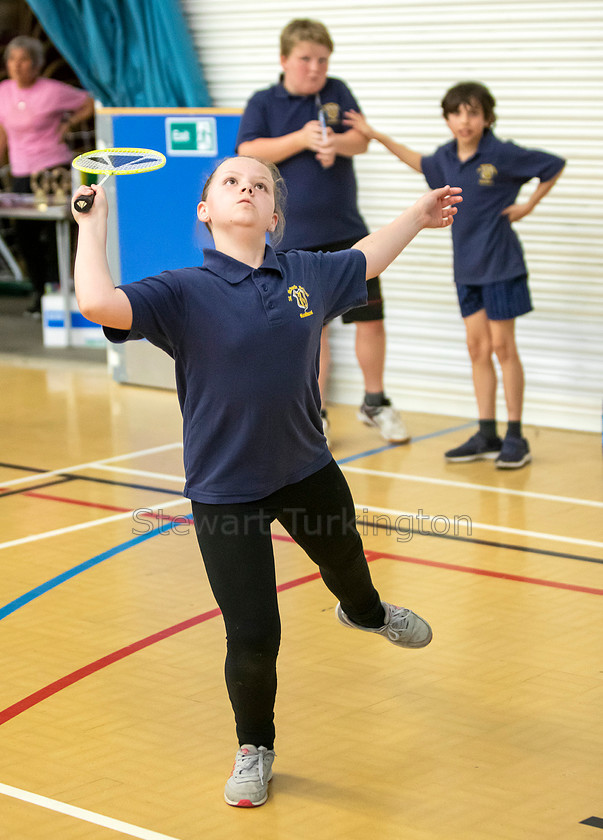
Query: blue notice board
pixel 157 211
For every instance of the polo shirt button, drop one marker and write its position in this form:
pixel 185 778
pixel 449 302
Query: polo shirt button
pixel 270 306
pixel 265 287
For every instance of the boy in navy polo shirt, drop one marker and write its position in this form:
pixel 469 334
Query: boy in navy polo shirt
pixel 297 124
pixel 244 332
pixel 489 267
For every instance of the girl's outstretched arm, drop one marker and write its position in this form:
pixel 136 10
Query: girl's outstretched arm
pixel 97 297
pixel 435 209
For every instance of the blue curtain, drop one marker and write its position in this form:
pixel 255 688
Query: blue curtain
pixel 127 53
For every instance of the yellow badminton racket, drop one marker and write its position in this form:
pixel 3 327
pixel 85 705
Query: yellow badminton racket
pixel 120 161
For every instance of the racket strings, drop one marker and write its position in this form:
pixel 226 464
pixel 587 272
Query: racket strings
pixel 127 161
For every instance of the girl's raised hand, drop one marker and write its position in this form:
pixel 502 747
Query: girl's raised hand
pixel 100 202
pixel 437 208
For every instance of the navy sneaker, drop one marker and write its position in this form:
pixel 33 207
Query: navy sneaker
pixel 515 453
pixel 477 448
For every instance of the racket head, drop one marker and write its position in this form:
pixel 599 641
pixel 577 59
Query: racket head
pixel 119 161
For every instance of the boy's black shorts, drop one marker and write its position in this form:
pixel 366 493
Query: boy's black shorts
pixel 373 310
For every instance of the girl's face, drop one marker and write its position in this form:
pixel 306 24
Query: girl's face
pixel 241 193
pixel 305 68
pixel 468 123
pixel 20 67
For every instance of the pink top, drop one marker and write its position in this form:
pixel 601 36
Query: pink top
pixel 31 118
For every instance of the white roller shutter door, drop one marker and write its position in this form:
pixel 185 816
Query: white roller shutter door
pixel 543 62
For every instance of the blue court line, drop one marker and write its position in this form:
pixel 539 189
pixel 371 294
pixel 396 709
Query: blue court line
pixel 13 606
pixel 389 446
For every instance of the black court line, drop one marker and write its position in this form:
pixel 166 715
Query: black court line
pixel 67 476
pixel 21 467
pixel 471 540
pixel 63 479
pixel 595 822
pixel 131 485
pixel 489 543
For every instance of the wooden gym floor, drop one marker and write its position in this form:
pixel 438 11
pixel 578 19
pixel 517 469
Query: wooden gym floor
pixel 114 719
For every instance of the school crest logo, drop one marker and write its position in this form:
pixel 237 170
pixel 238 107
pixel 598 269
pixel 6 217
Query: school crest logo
pixel 301 296
pixel 331 112
pixel 486 173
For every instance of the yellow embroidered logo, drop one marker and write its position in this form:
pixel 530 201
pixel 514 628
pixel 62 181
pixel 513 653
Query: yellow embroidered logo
pixel 331 111
pixel 301 296
pixel 487 173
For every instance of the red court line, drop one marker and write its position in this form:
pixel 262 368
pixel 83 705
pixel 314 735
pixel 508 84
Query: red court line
pixel 49 498
pixel 98 505
pixel 371 555
pixel 473 570
pixel 92 667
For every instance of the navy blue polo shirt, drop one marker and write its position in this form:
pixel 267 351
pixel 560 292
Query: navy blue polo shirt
pixel 486 248
pixel 322 203
pixel 246 345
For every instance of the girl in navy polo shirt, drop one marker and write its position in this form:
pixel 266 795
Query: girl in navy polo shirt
pixel 244 332
pixel 489 267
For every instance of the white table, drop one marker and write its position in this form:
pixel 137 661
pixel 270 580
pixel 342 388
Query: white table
pixel 60 214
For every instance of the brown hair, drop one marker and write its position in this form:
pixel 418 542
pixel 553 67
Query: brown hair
pixel 304 29
pixel 470 93
pixel 280 194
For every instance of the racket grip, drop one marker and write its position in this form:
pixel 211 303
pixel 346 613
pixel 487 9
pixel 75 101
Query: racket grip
pixel 83 203
pixel 323 123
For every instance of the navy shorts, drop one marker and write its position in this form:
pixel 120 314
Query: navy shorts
pixel 502 300
pixel 373 310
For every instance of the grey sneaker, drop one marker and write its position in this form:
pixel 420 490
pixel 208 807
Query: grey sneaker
pixel 477 448
pixel 387 420
pixel 402 627
pixel 247 787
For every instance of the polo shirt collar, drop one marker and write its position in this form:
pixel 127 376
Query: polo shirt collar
pixel 486 142
pixel 281 91
pixel 234 271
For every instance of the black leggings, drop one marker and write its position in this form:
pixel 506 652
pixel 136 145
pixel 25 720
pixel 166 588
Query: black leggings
pixel 236 545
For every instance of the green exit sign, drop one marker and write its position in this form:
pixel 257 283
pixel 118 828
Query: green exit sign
pixel 192 136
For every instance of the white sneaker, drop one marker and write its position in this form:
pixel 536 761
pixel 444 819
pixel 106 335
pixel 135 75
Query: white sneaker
pixel 402 627
pixel 247 787
pixel 387 420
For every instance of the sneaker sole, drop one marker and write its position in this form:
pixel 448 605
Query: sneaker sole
pixel 247 803
pixel 368 422
pixel 463 459
pixel 513 465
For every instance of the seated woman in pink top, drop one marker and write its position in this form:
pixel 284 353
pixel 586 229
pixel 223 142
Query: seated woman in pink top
pixel 35 115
